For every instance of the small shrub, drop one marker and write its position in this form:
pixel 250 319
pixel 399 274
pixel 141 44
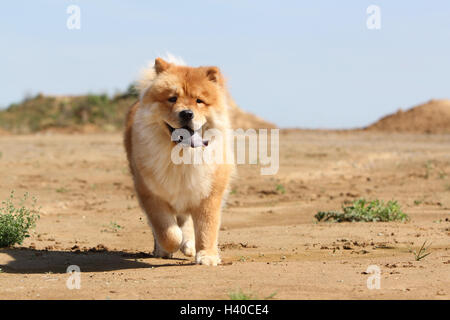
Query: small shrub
pixel 368 211
pixel 280 188
pixel 15 222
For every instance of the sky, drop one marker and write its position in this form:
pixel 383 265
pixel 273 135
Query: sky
pixel 308 64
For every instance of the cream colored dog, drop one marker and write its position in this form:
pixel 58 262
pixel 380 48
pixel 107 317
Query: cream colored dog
pixel 182 201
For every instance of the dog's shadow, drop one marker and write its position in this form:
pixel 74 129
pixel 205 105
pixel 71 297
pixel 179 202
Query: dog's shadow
pixel 26 260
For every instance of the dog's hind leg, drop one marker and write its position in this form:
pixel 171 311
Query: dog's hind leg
pixel 187 228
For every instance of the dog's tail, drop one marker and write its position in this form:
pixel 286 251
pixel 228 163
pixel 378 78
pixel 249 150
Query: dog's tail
pixel 148 74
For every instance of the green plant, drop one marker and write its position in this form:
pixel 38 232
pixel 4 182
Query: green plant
pixel 112 227
pixel 270 296
pixel 61 190
pixel 368 211
pixel 422 252
pixel 242 259
pixel 280 188
pixel 429 168
pixel 16 221
pixel 240 295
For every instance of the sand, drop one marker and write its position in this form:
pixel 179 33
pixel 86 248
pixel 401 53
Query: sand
pixel 270 243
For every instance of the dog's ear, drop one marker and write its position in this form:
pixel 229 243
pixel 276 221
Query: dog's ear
pixel 214 75
pixel 161 65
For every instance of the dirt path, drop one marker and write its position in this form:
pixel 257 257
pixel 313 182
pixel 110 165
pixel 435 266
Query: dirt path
pixel 269 240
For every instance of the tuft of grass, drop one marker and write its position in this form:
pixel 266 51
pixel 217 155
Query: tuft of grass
pixel 271 296
pixel 61 190
pixel 240 295
pixel 428 169
pixel 280 188
pixel 367 211
pixel 112 227
pixel 16 221
pixel 447 187
pixel 422 253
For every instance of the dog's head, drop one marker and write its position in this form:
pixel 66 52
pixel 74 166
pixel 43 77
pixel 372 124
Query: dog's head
pixel 186 98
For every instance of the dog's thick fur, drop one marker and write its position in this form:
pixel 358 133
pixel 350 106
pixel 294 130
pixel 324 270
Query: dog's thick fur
pixel 183 202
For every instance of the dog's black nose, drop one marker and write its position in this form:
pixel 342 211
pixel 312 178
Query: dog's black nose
pixel 186 115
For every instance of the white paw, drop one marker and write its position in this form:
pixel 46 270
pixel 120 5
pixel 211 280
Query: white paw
pixel 161 253
pixel 206 259
pixel 188 248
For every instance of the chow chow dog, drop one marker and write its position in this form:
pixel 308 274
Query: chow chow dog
pixel 182 201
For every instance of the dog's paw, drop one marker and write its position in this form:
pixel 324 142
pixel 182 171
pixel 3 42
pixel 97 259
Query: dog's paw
pixel 168 243
pixel 206 259
pixel 159 252
pixel 188 248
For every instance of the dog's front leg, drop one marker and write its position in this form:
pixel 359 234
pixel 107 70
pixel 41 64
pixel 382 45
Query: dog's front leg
pixel 206 225
pixel 166 232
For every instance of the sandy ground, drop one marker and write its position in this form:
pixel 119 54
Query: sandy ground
pixel 269 241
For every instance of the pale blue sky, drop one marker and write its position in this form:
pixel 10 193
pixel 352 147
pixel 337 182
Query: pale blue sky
pixel 311 64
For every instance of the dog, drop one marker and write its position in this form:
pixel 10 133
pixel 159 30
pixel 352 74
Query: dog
pixel 182 201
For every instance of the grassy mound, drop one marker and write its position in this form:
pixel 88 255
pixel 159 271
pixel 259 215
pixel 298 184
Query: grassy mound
pixel 45 112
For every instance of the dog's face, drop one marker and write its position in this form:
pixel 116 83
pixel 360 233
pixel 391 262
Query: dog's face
pixel 185 97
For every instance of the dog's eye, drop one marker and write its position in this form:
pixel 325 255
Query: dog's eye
pixel 200 101
pixel 172 99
